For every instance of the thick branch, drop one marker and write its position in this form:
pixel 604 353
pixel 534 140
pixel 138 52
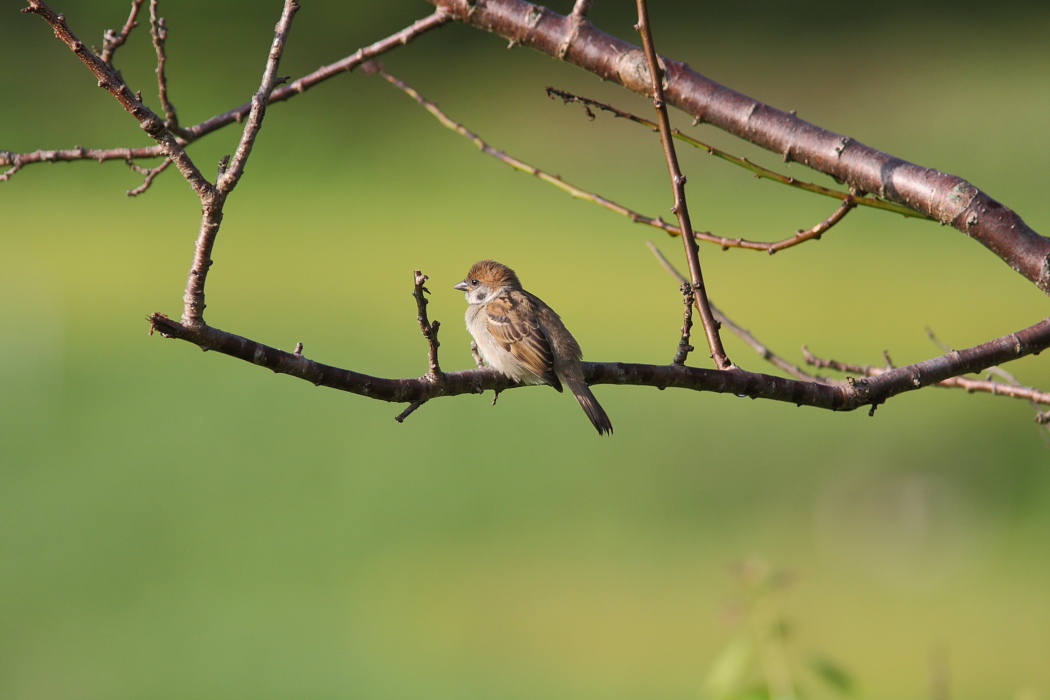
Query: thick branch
pixel 838 397
pixel 946 198
pixel 1029 341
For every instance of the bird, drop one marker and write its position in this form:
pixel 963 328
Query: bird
pixel 523 338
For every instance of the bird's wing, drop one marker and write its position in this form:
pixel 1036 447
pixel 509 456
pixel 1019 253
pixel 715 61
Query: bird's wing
pixel 511 322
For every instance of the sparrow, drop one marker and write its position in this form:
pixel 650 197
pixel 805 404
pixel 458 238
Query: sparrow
pixel 524 338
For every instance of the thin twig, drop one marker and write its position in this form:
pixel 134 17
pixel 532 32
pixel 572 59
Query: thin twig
pixel 228 180
pixel 430 332
pixel 190 134
pixel 159 32
pixel 400 417
pixel 428 329
pixel 862 370
pixel 582 194
pixel 745 335
pixel 230 171
pixel 814 233
pixel 150 174
pixel 760 172
pixel 110 79
pixel 581 8
pixel 681 210
pixel 111 41
pixel 436 19
pixel 684 348
pixel 1013 390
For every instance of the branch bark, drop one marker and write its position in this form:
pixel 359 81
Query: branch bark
pixel 842 396
pixel 946 198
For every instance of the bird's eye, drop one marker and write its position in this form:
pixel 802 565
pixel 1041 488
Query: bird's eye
pixel 474 283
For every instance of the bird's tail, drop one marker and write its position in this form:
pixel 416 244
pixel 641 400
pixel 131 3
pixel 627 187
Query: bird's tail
pixel 590 405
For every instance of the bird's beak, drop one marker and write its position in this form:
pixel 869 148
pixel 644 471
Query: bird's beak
pixel 462 286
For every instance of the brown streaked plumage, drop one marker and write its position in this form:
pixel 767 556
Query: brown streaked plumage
pixel 524 338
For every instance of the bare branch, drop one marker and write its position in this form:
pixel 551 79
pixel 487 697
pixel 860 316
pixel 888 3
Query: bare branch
pixel 111 41
pixel 1011 387
pixel 159 32
pixel 230 172
pixel 150 174
pixel 684 348
pixel 815 232
pixel 848 396
pixel 228 180
pixel 681 208
pixel 188 135
pixel 739 161
pixel 428 329
pixel 18 160
pixel 437 19
pixel 111 81
pixel 728 323
pixel 946 198
pixel 849 200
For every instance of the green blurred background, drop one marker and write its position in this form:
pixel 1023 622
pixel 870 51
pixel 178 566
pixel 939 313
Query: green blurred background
pixel 183 525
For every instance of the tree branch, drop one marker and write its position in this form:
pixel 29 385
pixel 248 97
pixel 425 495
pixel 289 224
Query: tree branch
pixel 230 171
pixel 946 198
pixel 188 135
pixel 109 79
pixel 740 161
pixel 728 323
pixel 111 40
pixel 680 208
pixel 848 200
pixel 848 396
pixel 970 385
pixel 426 327
pixel 159 32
